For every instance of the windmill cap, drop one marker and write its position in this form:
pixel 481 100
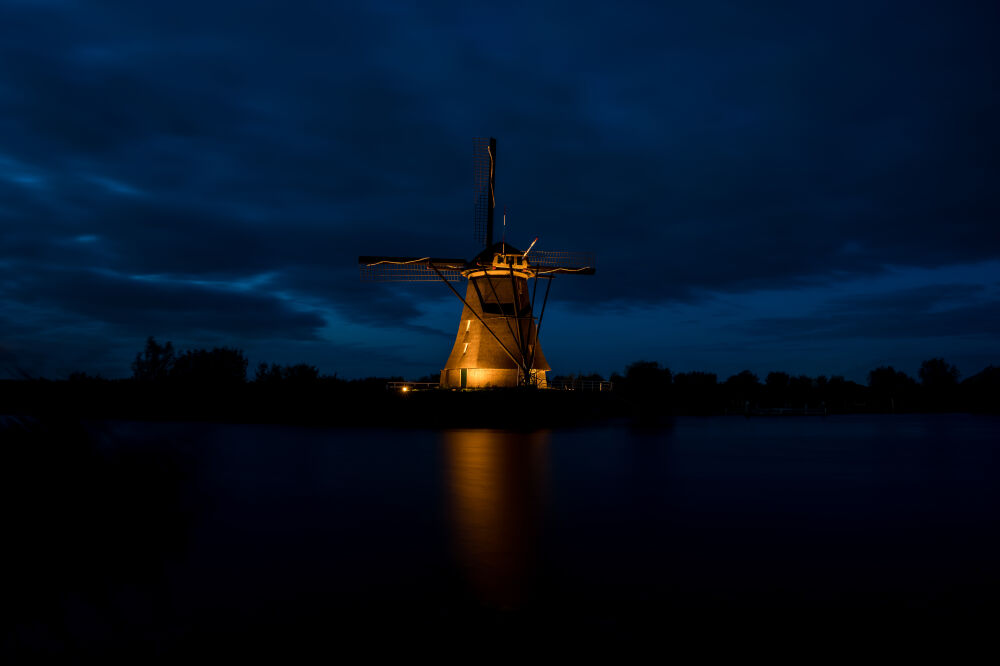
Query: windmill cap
pixel 486 256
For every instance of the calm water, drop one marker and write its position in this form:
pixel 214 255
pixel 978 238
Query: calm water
pixel 273 526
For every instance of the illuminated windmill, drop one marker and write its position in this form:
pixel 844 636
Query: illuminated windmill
pixel 497 342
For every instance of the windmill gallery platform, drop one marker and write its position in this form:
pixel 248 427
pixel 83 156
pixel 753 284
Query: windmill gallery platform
pixel 497 344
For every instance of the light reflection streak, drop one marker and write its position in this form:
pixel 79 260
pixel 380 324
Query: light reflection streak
pixel 495 488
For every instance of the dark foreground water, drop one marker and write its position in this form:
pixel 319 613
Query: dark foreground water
pixel 236 535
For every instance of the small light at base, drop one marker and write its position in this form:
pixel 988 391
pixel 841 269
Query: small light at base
pixel 405 389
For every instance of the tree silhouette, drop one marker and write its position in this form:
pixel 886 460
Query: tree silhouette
pixel 220 365
pixel 777 388
pixel 981 391
pixel 299 374
pixel 891 388
pixel 267 374
pixel 939 380
pixel 777 381
pixel 647 377
pixel 592 377
pixel 742 389
pixel 938 374
pixel 697 392
pixel 154 363
pixel 745 380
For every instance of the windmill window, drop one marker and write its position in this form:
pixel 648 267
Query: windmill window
pixel 468 323
pixel 465 348
pixel 506 309
pixel 497 296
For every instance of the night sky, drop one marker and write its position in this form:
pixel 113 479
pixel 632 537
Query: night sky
pixel 775 186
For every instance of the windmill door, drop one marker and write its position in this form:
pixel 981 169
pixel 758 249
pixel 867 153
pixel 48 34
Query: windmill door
pixel 465 376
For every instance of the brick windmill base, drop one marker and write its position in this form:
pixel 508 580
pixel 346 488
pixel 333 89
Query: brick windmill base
pixel 478 360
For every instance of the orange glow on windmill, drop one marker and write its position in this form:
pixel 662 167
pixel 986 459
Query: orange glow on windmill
pixel 498 345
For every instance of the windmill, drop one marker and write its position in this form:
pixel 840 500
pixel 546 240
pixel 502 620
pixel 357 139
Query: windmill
pixel 497 341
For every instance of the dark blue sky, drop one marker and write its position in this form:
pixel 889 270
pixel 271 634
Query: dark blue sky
pixel 799 186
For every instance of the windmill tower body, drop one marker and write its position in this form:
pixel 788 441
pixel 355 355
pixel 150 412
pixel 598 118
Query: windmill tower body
pixel 496 318
pixel 497 341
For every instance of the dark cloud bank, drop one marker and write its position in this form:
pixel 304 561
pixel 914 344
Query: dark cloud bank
pixel 210 171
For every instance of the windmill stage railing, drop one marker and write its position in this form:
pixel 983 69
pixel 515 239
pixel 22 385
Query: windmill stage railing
pixel 411 386
pixel 580 385
pixel 557 385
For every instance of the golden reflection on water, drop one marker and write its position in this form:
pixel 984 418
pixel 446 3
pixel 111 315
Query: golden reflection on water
pixel 495 486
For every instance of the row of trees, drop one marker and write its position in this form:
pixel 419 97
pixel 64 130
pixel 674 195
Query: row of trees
pixel 936 387
pixel 221 365
pixel 887 389
pixel 161 366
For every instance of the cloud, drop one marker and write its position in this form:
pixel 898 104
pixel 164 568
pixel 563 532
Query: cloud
pixel 932 311
pixel 701 150
pixel 151 306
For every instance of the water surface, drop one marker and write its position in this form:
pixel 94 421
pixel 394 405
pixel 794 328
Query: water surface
pixel 284 529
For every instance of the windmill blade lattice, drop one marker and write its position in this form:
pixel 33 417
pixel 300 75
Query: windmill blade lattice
pixel 409 269
pixel 483 173
pixel 556 261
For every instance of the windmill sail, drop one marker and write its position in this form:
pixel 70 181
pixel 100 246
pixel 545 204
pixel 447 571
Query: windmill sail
pixel 484 154
pixel 551 261
pixel 409 269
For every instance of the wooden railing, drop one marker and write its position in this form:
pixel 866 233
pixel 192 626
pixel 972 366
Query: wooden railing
pixel 559 385
pixel 580 385
pixel 410 386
